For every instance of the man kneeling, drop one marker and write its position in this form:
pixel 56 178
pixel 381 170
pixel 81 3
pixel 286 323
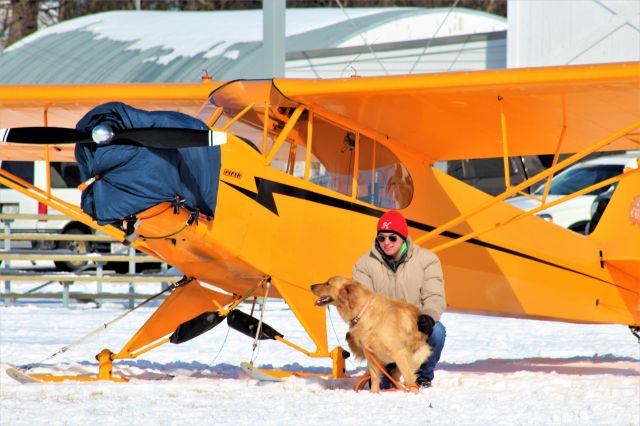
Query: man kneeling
pixel 397 268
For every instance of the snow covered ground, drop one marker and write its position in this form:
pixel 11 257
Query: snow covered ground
pixel 494 371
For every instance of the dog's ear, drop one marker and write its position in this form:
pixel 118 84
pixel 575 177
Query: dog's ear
pixel 349 288
pixel 347 295
pixel 353 286
pixel 343 293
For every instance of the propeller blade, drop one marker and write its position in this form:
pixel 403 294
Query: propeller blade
pixel 153 137
pixel 44 135
pixel 163 137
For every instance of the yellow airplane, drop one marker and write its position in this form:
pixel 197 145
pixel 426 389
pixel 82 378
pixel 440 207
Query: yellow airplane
pixel 308 166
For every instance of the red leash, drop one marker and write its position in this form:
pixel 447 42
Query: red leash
pixel 410 388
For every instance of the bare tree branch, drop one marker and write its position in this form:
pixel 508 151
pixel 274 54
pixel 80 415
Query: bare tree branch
pixel 24 19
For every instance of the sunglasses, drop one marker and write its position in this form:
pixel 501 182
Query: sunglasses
pixel 392 238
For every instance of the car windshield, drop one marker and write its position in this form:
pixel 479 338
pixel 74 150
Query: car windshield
pixel 578 178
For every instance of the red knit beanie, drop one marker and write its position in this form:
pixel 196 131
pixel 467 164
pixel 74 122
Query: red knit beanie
pixel 393 221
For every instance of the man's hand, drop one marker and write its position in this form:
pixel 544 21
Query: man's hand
pixel 425 324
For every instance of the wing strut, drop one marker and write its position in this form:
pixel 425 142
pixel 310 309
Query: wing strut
pixel 556 155
pixel 531 212
pixel 505 148
pixel 514 190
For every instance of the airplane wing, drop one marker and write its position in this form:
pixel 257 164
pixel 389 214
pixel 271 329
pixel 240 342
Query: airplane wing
pixel 64 105
pixel 458 115
pixel 438 116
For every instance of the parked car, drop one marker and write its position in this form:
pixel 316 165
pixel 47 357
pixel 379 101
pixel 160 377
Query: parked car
pixel 65 178
pixel 576 213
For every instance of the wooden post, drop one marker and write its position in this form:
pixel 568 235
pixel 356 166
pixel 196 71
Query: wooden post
pixel 132 271
pixel 65 294
pixel 99 274
pixel 7 263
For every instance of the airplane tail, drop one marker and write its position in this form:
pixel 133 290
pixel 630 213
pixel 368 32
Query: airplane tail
pixel 618 231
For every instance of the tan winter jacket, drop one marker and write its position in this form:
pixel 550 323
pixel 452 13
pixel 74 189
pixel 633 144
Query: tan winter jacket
pixel 418 279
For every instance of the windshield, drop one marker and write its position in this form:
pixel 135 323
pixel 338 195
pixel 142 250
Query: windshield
pixel 578 178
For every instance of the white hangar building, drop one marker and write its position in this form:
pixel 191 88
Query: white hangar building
pixel 165 46
pixel 571 32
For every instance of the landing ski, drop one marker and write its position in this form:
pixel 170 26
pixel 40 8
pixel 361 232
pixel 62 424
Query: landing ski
pixel 258 374
pixel 20 376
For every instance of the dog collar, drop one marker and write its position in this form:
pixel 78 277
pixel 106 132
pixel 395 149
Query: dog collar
pixel 355 320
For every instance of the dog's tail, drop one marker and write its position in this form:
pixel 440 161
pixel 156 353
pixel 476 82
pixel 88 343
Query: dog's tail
pixel 421 355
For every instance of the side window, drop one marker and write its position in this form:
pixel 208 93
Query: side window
pixel 456 169
pixel 292 155
pixel 382 179
pixel 291 158
pixel 368 188
pixel 22 169
pixel 64 175
pixel 333 152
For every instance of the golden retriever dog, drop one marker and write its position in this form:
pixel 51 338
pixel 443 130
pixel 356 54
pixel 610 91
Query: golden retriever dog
pixel 384 327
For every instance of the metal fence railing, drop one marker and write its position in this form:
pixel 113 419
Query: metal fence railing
pixel 37 283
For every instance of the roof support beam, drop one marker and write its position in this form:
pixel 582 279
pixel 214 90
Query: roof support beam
pixel 273 36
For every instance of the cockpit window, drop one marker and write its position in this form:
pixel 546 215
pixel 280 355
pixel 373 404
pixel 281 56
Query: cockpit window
pixel 382 179
pixel 292 154
pixel 333 149
pixel 257 113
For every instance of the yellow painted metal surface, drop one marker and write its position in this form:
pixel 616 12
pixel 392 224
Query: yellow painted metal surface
pixel 185 303
pixel 270 223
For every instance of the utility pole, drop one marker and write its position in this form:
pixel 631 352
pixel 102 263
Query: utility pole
pixel 273 36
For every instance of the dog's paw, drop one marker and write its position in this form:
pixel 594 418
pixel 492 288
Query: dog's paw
pixel 413 388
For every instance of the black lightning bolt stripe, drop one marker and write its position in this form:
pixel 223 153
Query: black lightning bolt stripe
pixel 266 189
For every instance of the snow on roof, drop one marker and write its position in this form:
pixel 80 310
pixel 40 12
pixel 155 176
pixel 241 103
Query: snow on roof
pixel 190 32
pixel 111 46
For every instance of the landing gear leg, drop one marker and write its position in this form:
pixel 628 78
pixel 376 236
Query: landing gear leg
pixel 106 369
pixel 338 355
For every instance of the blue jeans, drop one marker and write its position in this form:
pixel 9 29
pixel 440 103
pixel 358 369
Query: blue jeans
pixel 436 341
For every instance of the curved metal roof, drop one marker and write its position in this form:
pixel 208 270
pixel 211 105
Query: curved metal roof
pixel 151 46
